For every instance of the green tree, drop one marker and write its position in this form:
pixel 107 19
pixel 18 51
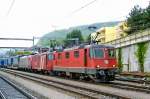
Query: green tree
pixel 11 53
pixel 88 39
pixel 73 37
pixel 147 16
pixel 134 20
pixel 139 19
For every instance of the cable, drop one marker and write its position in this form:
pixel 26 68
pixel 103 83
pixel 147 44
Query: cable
pixel 12 3
pixel 83 6
pixel 77 10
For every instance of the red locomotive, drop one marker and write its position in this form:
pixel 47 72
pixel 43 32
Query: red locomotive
pixel 97 62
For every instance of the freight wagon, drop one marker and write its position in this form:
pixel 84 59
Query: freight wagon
pixel 3 62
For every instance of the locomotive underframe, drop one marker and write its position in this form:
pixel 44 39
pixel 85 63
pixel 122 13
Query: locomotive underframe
pixel 97 74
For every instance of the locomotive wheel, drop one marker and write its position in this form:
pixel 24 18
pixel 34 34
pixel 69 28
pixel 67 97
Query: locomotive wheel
pixel 74 76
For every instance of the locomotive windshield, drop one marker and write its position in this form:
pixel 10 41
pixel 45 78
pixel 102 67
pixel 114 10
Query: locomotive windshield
pixel 96 53
pixel 111 52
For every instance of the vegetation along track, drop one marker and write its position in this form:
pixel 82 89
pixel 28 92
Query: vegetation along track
pixel 75 88
pixel 9 90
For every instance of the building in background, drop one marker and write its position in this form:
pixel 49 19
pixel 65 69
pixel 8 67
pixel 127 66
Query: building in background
pixel 107 34
pixel 121 29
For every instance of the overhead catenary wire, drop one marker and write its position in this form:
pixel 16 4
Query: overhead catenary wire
pixel 75 11
pixel 84 6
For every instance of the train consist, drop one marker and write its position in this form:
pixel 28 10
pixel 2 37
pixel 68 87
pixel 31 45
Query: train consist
pixel 97 62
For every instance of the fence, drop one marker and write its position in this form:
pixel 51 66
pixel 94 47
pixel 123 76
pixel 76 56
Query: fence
pixel 131 39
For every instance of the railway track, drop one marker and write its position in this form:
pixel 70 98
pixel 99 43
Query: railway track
pixel 135 80
pixel 9 90
pixel 137 84
pixel 125 84
pixel 83 90
pixel 87 92
pixel 130 86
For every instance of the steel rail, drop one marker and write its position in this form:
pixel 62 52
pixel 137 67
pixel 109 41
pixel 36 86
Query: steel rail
pixel 2 96
pixel 130 87
pixel 140 81
pixel 28 95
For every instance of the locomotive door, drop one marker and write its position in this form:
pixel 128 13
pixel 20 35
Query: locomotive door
pixel 85 57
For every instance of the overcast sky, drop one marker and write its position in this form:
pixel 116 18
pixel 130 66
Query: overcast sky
pixel 28 18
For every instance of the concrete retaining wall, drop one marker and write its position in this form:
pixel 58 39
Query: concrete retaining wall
pixel 130 61
pixel 129 47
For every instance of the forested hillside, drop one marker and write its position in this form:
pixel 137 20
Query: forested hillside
pixel 60 35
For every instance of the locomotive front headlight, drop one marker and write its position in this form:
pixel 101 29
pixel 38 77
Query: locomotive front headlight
pixel 113 65
pixel 106 61
pixel 97 66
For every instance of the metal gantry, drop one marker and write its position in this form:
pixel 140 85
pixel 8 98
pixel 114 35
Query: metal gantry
pixel 20 39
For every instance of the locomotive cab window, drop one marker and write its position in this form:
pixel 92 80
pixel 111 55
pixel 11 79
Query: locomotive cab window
pixel 111 53
pixel 76 54
pixel 67 54
pixel 96 53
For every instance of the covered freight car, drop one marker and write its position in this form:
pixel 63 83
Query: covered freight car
pixel 3 62
pixel 10 61
pixel 15 63
pixel 24 63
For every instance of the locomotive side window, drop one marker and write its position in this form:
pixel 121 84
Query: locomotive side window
pixel 59 55
pixel 98 53
pixel 67 54
pixel 76 54
pixel 91 53
pixel 50 57
pixel 111 53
